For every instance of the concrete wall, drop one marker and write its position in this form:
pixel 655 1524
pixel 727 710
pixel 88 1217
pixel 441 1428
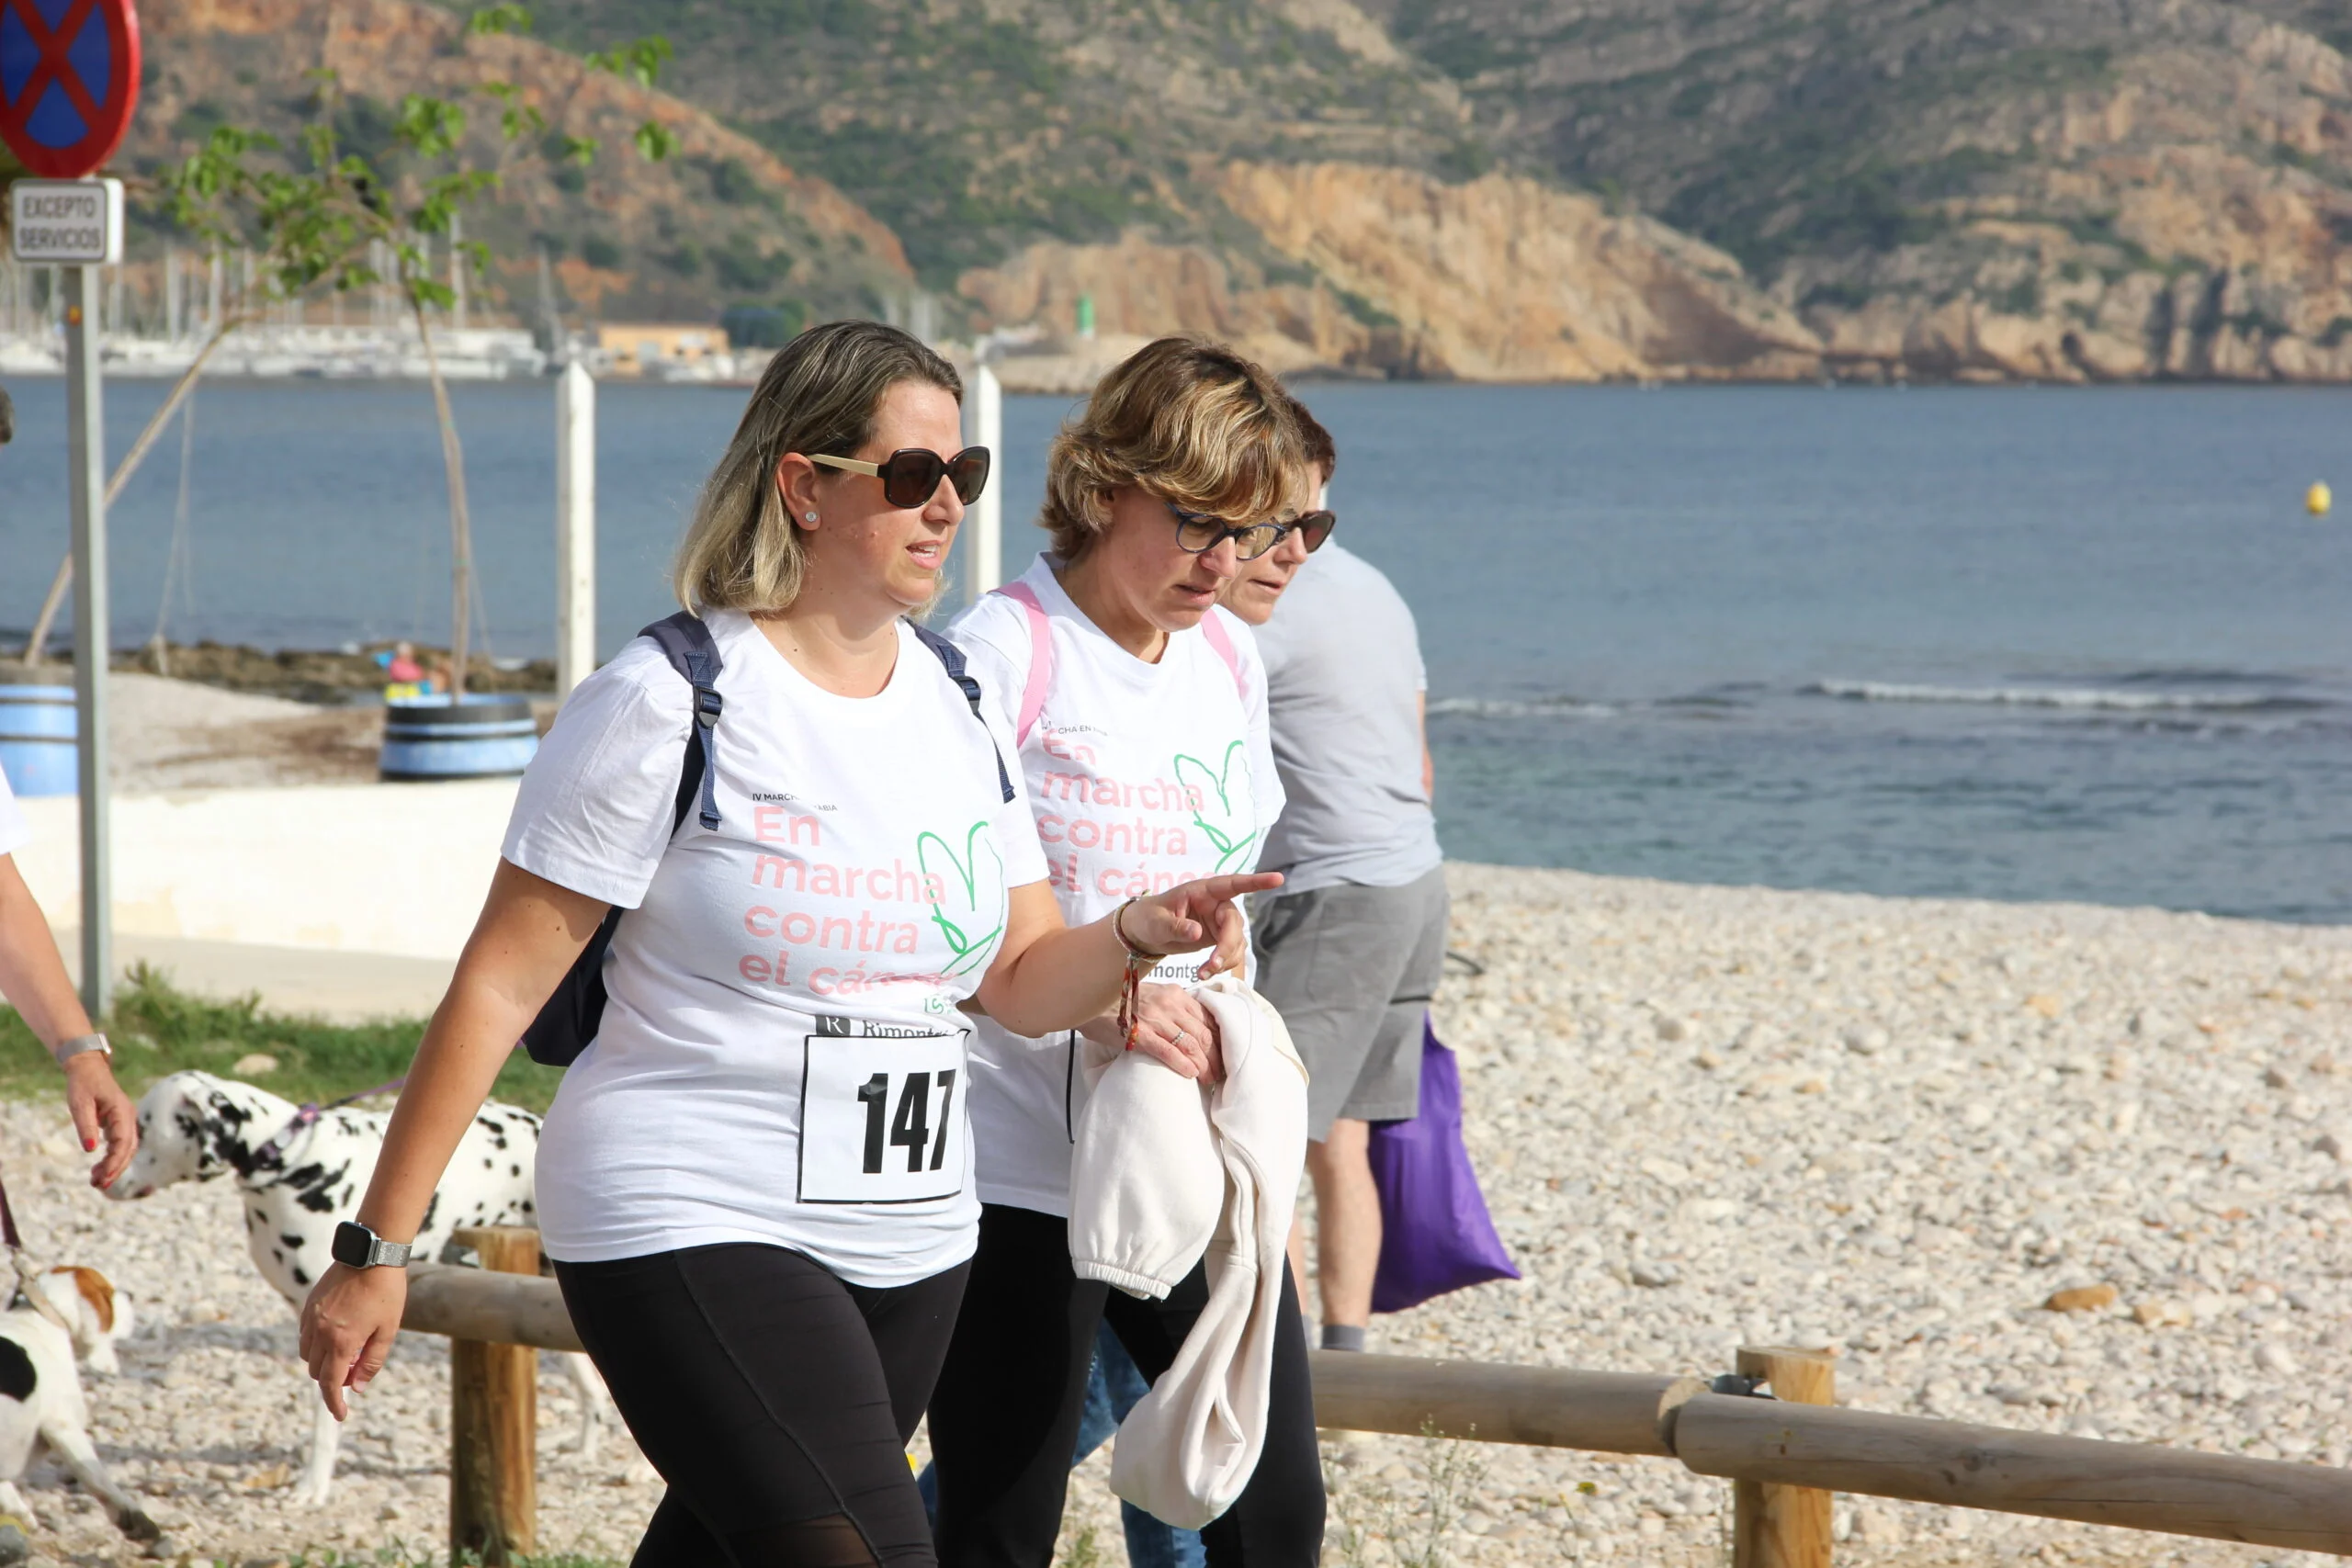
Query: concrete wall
pixel 368 868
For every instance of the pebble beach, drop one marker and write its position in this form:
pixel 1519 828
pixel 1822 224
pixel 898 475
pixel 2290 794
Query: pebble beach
pixel 1705 1118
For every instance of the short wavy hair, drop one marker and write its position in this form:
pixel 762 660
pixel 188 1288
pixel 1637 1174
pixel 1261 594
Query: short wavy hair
pixel 1322 452
pixel 819 394
pixel 1185 418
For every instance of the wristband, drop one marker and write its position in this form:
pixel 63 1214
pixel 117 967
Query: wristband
pixel 1139 964
pixel 81 1045
pixel 1119 930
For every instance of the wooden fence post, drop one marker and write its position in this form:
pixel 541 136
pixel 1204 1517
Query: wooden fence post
pixel 494 1423
pixel 1784 1526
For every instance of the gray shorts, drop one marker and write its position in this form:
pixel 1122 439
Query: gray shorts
pixel 1352 970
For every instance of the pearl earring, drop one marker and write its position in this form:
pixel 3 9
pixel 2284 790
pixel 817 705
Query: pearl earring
pixel 809 516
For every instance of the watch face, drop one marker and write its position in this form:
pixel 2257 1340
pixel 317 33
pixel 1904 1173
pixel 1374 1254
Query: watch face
pixel 351 1246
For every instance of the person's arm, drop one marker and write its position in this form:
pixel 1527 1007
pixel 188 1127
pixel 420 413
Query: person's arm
pixel 1048 977
pixel 529 933
pixel 33 979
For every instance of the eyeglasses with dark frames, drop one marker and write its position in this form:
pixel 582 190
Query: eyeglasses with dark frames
pixel 1197 532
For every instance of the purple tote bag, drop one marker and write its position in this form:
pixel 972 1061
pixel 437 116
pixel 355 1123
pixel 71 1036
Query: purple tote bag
pixel 1435 1233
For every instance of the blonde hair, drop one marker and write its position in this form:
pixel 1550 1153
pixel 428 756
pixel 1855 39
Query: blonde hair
pixel 818 395
pixel 1188 420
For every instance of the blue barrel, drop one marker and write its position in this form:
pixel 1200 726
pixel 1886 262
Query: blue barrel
pixel 480 737
pixel 37 727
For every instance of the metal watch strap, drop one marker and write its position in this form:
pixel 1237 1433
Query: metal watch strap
pixel 81 1045
pixel 379 1253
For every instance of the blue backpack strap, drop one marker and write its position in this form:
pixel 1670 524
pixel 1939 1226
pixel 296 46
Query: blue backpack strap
pixel 952 657
pixel 686 640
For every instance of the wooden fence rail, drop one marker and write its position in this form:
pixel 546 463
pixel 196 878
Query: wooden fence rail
pixel 1787 1455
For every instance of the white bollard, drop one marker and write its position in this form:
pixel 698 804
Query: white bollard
pixel 984 564
pixel 576 527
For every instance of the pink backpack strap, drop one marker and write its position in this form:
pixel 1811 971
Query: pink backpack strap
pixel 1041 657
pixel 1222 640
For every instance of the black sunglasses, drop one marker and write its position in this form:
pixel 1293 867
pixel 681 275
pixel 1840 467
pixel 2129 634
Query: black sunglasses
pixel 1197 532
pixel 910 475
pixel 1313 528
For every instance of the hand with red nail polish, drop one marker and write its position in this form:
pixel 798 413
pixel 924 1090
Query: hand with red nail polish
pixel 102 1114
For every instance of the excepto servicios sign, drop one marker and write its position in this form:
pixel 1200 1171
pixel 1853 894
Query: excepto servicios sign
pixel 69 222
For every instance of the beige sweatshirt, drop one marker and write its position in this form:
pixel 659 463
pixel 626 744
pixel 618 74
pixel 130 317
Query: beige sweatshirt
pixel 1165 1172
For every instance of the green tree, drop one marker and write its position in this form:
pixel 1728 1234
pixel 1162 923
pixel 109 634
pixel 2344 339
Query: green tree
pixel 321 214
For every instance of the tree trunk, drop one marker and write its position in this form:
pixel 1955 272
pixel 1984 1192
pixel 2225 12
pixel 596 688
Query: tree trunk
pixel 461 534
pixel 37 644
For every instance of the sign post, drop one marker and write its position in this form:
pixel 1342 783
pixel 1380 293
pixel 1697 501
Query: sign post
pixel 85 434
pixel 69 80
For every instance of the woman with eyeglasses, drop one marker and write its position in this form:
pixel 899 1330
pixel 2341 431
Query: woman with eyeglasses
pixel 1139 710
pixel 755 1181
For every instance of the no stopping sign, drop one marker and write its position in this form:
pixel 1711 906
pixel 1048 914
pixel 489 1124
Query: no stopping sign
pixel 68 79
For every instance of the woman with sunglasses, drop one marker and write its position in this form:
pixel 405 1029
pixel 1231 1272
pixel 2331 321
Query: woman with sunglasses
pixel 1350 950
pixel 1139 708
pixel 756 1181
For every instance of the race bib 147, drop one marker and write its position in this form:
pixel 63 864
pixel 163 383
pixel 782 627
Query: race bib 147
pixel 882 1119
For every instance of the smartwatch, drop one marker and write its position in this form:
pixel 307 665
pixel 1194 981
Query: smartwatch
pixel 357 1246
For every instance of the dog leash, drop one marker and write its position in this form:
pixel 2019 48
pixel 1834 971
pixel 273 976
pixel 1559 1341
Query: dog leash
pixel 28 1272
pixel 271 1156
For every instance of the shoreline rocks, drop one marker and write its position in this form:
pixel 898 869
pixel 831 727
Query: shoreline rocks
pixel 2066 1097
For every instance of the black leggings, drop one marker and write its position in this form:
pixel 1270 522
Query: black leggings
pixel 1006 1412
pixel 776 1401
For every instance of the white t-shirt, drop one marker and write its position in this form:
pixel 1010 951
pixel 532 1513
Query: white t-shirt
pixel 781 1058
pixel 1142 777
pixel 15 832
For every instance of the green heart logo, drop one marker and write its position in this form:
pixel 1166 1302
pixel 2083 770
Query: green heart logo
pixel 1221 803
pixel 971 911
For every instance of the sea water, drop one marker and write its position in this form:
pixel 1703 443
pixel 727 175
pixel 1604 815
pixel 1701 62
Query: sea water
pixel 2009 643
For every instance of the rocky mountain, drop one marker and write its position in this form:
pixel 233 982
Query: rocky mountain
pixel 975 129
pixel 1388 272
pixel 2070 189
pixel 723 218
pixel 2049 188
pixel 1280 173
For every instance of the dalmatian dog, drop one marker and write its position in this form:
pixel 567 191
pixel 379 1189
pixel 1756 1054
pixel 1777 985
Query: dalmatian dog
pixel 300 1171
pixel 41 1403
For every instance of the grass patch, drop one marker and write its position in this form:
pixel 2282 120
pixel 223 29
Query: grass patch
pixel 157 1030
pixel 1363 309
pixel 1840 296
pixel 1375 1525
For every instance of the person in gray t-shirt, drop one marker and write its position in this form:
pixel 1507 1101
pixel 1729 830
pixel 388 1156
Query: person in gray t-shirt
pixel 1351 948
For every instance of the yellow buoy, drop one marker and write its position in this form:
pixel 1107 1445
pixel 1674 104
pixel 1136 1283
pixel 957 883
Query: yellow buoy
pixel 2318 499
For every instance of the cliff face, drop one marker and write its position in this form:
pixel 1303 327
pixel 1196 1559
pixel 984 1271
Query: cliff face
pixel 2063 190
pixel 2068 189
pixel 977 129
pixel 1384 271
pixel 744 224
pixel 2185 220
